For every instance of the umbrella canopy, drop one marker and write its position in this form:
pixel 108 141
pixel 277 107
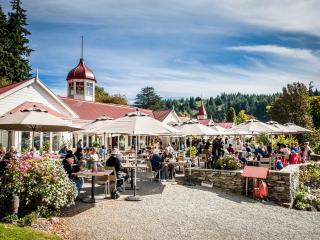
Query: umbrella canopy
pixel 96 124
pixel 251 127
pixel 281 128
pixel 137 124
pixel 194 128
pixel 293 128
pixel 35 120
pixel 220 130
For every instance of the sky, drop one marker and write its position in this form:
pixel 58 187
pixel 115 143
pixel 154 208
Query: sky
pixel 181 48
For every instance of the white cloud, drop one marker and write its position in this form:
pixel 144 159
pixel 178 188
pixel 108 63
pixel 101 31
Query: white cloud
pixel 295 53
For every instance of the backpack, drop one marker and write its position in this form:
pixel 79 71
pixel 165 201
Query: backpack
pixel 279 164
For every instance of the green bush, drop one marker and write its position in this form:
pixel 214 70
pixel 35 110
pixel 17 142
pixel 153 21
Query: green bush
pixel 191 152
pixel 282 139
pixel 228 163
pixel 263 139
pixel 303 199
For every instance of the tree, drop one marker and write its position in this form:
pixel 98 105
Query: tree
pixel 4 43
pixel 149 99
pixel 231 115
pixel 242 117
pixel 104 97
pixel 292 105
pixel 315 110
pixel 18 49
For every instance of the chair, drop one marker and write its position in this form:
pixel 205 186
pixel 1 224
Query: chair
pixel 264 162
pixel 203 159
pixel 153 173
pixel 114 179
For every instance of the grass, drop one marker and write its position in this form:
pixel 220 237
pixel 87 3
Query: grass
pixel 12 232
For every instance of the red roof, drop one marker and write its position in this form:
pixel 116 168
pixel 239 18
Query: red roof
pixel 202 110
pixel 205 121
pixel 28 105
pixel 81 72
pixel 161 114
pixel 92 110
pixel 226 125
pixel 11 86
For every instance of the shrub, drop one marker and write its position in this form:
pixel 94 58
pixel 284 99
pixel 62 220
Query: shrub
pixel 282 139
pixel 303 199
pixel 191 151
pixel 263 139
pixel 228 163
pixel 39 183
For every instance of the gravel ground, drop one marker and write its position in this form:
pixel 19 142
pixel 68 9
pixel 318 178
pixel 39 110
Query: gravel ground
pixel 173 211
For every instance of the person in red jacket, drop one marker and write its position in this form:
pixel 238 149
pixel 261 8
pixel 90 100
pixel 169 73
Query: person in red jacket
pixel 294 158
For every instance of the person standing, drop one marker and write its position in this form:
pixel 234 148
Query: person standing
pixel 307 152
pixel 79 143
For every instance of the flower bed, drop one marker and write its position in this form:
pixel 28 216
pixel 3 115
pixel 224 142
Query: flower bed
pixel 41 184
pixel 307 196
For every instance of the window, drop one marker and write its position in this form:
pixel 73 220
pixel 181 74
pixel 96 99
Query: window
pixel 55 142
pixel 71 92
pixel 79 88
pixel 89 89
pixel 25 141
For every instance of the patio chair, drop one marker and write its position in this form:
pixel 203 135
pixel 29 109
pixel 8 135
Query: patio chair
pixel 203 159
pixel 264 162
pixel 150 171
pixel 113 178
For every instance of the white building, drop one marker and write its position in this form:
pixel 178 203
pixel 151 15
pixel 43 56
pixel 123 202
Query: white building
pixel 79 107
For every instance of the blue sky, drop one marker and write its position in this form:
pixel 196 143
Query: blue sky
pixel 181 47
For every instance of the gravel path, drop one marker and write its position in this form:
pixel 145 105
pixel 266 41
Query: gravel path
pixel 172 211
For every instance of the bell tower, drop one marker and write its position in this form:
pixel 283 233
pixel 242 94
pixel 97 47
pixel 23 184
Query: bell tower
pixel 81 81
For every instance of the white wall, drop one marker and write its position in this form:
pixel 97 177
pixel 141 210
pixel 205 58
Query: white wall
pixel 32 93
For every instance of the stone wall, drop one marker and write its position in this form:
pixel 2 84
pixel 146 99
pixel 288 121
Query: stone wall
pixel 281 184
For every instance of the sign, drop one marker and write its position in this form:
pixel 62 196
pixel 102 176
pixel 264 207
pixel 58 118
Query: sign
pixel 255 172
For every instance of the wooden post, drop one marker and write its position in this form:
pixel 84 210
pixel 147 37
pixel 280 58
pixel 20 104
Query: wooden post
pixel 254 183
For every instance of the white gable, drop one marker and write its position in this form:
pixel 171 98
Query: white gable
pixel 33 91
pixel 172 117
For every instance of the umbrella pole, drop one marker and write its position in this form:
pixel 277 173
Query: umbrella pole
pixel 104 143
pixel 134 197
pixel 33 130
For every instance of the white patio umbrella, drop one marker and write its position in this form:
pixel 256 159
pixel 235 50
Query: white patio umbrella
pixel 96 124
pixel 137 124
pixel 35 120
pixel 220 130
pixel 280 128
pixel 251 127
pixel 194 128
pixel 295 129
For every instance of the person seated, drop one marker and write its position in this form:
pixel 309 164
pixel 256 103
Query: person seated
pixel 63 151
pixel 94 155
pixel 230 149
pixel 102 151
pixel 157 163
pixel 294 147
pixel 12 154
pixel 34 153
pixel 294 158
pixel 115 161
pixel 71 167
pixel 248 148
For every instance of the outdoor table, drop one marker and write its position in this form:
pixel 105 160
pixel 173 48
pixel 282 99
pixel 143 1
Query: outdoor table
pixel 93 175
pixel 132 167
pixel 175 164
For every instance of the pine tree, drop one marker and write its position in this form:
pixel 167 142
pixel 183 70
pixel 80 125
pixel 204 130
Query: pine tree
pixel 4 43
pixel 19 50
pixel 149 99
pixel 231 115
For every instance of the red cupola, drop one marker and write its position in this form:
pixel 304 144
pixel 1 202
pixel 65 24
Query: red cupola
pixel 81 72
pixel 202 114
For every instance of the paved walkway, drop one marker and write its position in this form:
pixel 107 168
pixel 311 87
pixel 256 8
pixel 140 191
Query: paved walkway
pixel 172 211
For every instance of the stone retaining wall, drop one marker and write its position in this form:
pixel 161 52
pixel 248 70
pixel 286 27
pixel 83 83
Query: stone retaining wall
pixel 281 184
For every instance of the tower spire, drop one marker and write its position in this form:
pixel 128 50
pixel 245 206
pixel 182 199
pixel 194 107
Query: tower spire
pixel 81 46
